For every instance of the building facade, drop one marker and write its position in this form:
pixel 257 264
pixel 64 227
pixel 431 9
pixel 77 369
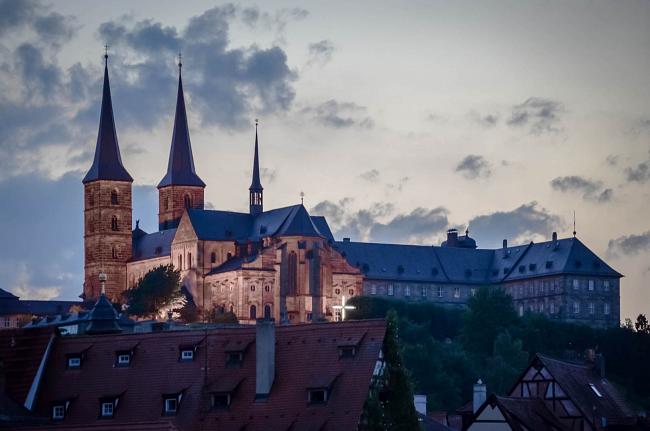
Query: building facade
pixel 286 264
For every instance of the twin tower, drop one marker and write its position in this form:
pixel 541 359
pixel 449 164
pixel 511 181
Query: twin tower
pixel 108 199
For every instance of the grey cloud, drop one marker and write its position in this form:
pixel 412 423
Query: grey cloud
pixel 419 226
pixel 399 185
pixel 590 189
pixel 474 166
pixel 320 52
pixel 520 224
pixel 487 120
pixel 612 159
pixel 268 175
pixel 639 173
pixel 629 244
pixel 340 115
pixel 370 176
pixel 537 114
pixel 52 27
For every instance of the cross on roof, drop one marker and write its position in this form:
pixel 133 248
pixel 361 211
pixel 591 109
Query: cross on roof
pixel 343 307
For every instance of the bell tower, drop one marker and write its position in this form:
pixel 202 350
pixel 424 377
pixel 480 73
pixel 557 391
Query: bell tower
pixel 181 188
pixel 107 209
pixel 255 191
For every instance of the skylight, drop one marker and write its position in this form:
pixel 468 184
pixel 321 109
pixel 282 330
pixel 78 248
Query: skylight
pixel 595 390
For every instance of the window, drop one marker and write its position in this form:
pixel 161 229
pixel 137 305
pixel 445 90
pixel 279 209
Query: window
pixel 595 390
pixel 373 290
pixel 310 316
pixel 521 310
pixel 606 285
pixel 347 352
pixel 267 288
pixel 114 200
pixel 351 292
pixel 107 409
pixel 407 290
pixel 74 362
pixel 187 354
pixel 317 396
pixel 552 308
pixel 180 261
pixel 7 322
pixel 267 311
pixel 114 253
pixel 606 308
pixel 171 405
pixel 591 285
pixel 253 312
pixel 472 291
pixel 391 290
pixel 58 412
pixel 337 291
pixel 189 260
pixel 220 400
pixel 213 257
pixel 441 292
pixel 252 288
pixel 456 292
pixel 576 307
pixel 123 359
pixel 187 201
pixel 424 291
pixel 293 273
pixel 576 284
pixel 592 308
pixel 114 225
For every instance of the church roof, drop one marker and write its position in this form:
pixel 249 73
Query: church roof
pixel 107 164
pixel 467 265
pixel 256 184
pixel 152 245
pixel 103 318
pixel 180 170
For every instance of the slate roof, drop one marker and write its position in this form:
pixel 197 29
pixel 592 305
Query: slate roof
pixel 107 164
pixel 152 245
pixel 576 381
pixel 7 295
pixel 180 169
pixel 419 263
pixel 256 184
pixel 11 304
pixel 302 351
pixel 524 414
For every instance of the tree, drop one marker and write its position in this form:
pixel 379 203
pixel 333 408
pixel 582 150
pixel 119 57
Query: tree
pixel 507 362
pixel 158 290
pixel 641 324
pixel 489 313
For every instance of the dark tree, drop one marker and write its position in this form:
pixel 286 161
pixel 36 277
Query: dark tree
pixel 641 324
pixel 158 289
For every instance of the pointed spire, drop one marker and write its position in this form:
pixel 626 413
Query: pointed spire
pixel 107 164
pixel 256 184
pixel 180 170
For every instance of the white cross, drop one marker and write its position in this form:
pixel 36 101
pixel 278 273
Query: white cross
pixel 343 307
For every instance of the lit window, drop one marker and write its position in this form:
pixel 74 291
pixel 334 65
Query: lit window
pixel 317 396
pixel 591 285
pixel 441 292
pixel 123 359
pixel 595 390
pixel 390 290
pixel 58 412
pixel 107 410
pixel 171 405
pixel 74 362
pixel 187 355
pixel 606 308
pixel 456 292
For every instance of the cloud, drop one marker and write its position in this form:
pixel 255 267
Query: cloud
pixel 474 166
pixel 537 114
pixel 371 176
pixel 629 245
pixel 268 175
pixel 377 222
pixel 399 185
pixel 612 160
pixel 51 27
pixel 339 115
pixel 521 224
pixel 320 53
pixel 590 189
pixel 487 121
pixel 639 173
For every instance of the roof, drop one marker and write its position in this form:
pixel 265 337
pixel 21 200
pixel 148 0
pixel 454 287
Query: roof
pixel 159 425
pixel 576 381
pixel 473 266
pixel 21 351
pixel 323 227
pixel 11 304
pixel 233 226
pixel 180 169
pixel 152 245
pixel 7 295
pixel 107 164
pixel 103 318
pixel 256 184
pixel 525 413
pixel 301 352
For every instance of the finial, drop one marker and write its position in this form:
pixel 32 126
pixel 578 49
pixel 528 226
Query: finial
pixel 467 231
pixel 106 55
pixel 574 223
pixel 137 224
pixel 102 281
pixel 257 122
pixel 302 198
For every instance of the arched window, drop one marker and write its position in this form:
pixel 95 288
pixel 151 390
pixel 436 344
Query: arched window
pixel 114 200
pixel 229 256
pixel 180 261
pixel 114 253
pixel 232 309
pixel 267 311
pixel 253 313
pixel 189 260
pixel 267 288
pixel 252 288
pixel 114 225
pixel 213 257
pixel 187 201
pixel 293 273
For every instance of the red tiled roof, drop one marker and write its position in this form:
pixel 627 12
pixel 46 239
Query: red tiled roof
pixel 161 425
pixel 303 352
pixel 21 351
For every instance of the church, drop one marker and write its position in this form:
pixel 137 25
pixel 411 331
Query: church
pixel 286 264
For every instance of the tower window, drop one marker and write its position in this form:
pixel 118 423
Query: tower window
pixel 267 311
pixel 293 273
pixel 114 253
pixel 114 225
pixel 213 257
pixel 253 312
pixel 114 200
pixel 187 201
pixel 189 260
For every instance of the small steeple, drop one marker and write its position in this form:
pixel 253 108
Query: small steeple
pixel 107 164
pixel 256 189
pixel 180 170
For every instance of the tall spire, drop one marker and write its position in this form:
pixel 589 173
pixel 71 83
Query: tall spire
pixel 256 189
pixel 107 164
pixel 180 170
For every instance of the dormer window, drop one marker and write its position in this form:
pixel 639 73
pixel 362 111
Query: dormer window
pixel 346 352
pixel 317 396
pixel 107 406
pixel 74 362
pixel 58 411
pixel 123 359
pixel 108 409
pixel 549 264
pixel 522 268
pixel 221 400
pixel 595 390
pixel 234 359
pixel 171 403
pixel 187 354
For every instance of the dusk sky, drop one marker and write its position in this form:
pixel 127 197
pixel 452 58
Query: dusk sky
pixel 397 120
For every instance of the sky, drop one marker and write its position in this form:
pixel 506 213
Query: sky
pixel 397 120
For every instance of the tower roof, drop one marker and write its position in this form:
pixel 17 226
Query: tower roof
pixel 256 184
pixel 107 164
pixel 180 170
pixel 103 318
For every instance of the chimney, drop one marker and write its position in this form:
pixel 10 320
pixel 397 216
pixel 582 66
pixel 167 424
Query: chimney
pixel 505 243
pixel 452 237
pixel 554 237
pixel 264 357
pixel 420 403
pixel 480 395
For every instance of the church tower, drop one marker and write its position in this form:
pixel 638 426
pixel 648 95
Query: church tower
pixel 256 190
pixel 107 209
pixel 180 188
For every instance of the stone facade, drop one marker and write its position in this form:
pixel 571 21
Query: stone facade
pixel 172 202
pixel 107 236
